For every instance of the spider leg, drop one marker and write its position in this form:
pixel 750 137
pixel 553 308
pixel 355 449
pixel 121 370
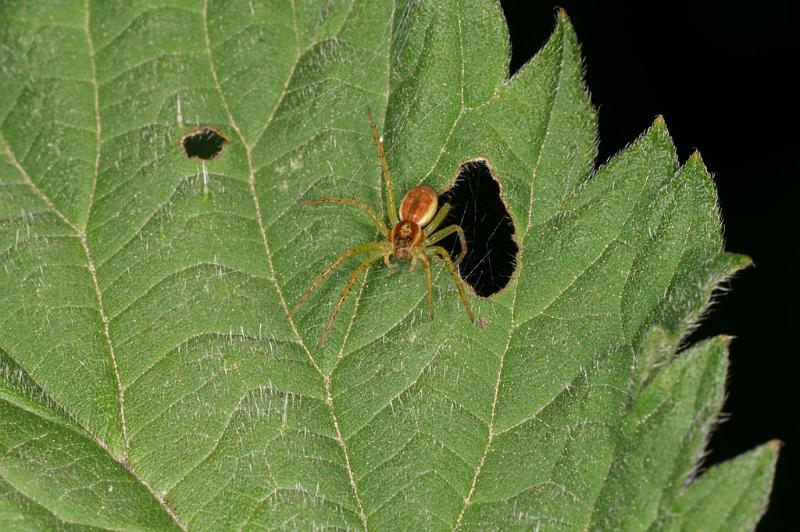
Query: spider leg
pixel 387 176
pixel 428 280
pixel 445 256
pixel 363 248
pixel 386 259
pixel 449 230
pixel 437 220
pixel 353 278
pixel 350 201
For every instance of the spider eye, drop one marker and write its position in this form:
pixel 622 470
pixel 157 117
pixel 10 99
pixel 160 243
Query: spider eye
pixel 419 205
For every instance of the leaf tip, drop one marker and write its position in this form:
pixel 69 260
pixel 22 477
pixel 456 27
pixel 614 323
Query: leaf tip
pixel 659 134
pixel 745 261
pixel 659 128
pixel 696 162
pixel 774 445
pixel 736 262
pixel 563 23
pixel 723 340
pixel 769 452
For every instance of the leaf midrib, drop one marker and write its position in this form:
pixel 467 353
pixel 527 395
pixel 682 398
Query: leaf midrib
pixel 512 326
pixel 326 381
pixel 81 237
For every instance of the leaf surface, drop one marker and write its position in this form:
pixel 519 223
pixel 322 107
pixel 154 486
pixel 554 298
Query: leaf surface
pixel 150 375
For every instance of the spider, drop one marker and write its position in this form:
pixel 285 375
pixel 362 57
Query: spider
pixel 412 236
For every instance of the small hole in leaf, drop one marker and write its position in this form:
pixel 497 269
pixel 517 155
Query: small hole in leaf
pixel 479 209
pixel 203 143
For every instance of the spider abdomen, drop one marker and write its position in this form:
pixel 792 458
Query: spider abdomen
pixel 405 236
pixel 419 205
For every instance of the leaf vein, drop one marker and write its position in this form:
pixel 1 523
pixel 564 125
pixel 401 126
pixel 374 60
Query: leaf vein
pixel 262 230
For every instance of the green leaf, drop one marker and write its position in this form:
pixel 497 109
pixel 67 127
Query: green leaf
pixel 730 496
pixel 150 377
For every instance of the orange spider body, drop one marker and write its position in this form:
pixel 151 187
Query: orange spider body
pixel 412 236
pixel 416 210
pixel 405 237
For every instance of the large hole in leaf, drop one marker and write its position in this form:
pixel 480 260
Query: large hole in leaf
pixel 203 143
pixel 479 209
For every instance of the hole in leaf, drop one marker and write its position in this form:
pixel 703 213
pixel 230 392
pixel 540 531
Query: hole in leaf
pixel 479 209
pixel 203 143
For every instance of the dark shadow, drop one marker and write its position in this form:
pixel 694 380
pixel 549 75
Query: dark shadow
pixel 479 209
pixel 203 143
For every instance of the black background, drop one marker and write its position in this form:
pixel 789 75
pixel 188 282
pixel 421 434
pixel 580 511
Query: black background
pixel 721 74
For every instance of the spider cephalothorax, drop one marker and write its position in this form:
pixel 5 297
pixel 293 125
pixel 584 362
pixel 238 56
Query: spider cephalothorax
pixel 411 237
pixel 405 237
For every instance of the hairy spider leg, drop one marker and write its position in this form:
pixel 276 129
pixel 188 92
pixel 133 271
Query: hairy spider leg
pixel 355 250
pixel 387 259
pixel 350 201
pixel 428 280
pixel 343 296
pixel 447 231
pixel 387 176
pixel 445 256
pixel 413 264
pixel 437 220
